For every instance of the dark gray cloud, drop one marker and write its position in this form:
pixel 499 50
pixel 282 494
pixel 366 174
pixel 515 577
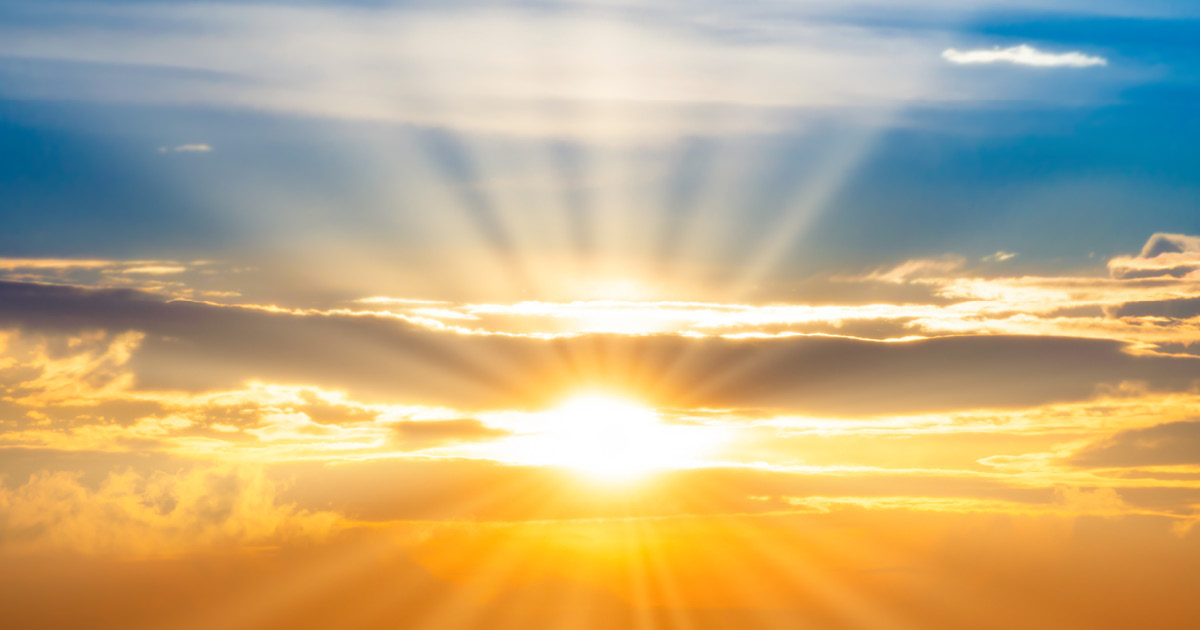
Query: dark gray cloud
pixel 194 346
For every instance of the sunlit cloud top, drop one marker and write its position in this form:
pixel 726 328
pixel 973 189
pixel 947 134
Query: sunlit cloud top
pixel 599 314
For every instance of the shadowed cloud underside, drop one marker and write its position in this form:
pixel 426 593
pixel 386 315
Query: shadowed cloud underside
pixel 599 314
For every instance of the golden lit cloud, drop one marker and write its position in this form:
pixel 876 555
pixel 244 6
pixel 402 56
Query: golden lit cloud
pixel 597 314
pixel 128 514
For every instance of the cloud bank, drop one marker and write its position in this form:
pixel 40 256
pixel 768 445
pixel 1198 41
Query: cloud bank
pixel 197 347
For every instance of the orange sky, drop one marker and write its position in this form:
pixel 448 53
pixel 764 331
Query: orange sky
pixel 993 457
pixel 852 314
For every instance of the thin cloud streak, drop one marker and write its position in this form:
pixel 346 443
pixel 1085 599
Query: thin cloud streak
pixel 186 148
pixel 1022 55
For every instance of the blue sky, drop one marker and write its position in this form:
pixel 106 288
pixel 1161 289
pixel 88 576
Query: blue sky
pixel 600 314
pixel 893 155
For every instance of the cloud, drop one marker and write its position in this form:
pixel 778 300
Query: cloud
pixel 677 74
pixel 1170 444
pixel 918 268
pixel 155 270
pixel 176 278
pixel 1149 299
pixel 11 264
pixel 186 148
pixel 59 424
pixel 1022 55
pixel 1180 309
pixel 394 300
pixel 1163 243
pixel 999 256
pixel 299 428
pixel 414 435
pixel 156 514
pixel 690 573
pixel 197 347
pixel 1163 255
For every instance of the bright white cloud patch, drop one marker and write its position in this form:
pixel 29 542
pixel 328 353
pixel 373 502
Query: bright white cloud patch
pixel 1022 55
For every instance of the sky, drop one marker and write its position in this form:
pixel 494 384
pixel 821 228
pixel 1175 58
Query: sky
pixel 599 314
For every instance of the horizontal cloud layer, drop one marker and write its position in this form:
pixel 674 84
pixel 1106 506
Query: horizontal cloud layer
pixel 617 71
pixel 196 346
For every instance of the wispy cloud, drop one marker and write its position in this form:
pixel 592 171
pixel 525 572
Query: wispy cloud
pixel 669 80
pixel 999 256
pixel 1022 55
pixel 186 148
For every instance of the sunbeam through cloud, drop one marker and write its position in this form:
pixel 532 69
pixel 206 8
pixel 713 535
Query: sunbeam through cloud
pixel 597 315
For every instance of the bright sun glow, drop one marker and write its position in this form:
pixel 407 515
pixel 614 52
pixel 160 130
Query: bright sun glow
pixel 607 438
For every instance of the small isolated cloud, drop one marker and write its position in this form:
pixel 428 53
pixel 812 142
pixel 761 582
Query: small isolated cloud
pixel 999 256
pixel 1022 55
pixel 186 148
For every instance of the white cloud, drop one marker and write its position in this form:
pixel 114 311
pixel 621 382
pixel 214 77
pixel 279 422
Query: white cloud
pixel 187 148
pixel 533 72
pixel 1022 55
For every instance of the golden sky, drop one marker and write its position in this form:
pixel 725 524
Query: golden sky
pixel 599 314
pixel 1006 447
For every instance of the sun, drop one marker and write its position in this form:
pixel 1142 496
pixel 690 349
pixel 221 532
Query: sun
pixel 601 437
pixel 608 438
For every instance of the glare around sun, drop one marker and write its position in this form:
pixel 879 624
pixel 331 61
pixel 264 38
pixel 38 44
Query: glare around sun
pixel 605 437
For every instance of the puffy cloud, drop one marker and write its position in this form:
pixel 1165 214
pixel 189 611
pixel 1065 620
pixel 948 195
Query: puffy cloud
pixel 1164 255
pixel 157 514
pixel 1163 243
pixel 1022 55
